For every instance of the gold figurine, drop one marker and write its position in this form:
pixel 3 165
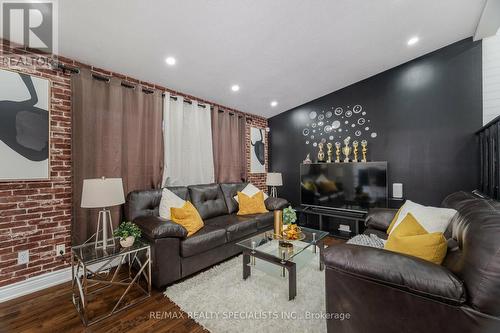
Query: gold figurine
pixel 321 154
pixel 337 152
pixel 329 152
pixel 355 150
pixel 364 144
pixel 346 150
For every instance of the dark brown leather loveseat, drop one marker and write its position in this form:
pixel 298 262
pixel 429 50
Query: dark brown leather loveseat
pixel 388 292
pixel 176 256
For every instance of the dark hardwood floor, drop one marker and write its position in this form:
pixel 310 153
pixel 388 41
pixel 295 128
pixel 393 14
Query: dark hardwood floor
pixel 52 311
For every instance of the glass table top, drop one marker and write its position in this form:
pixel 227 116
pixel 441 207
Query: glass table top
pixel 88 254
pixel 268 243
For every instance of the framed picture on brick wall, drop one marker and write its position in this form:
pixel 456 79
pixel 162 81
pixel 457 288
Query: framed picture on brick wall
pixel 24 126
pixel 257 150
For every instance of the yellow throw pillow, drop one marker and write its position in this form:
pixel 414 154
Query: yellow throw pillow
pixel 188 217
pixel 410 238
pixel 393 222
pixel 251 205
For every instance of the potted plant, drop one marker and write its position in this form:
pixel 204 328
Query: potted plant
pixel 291 230
pixel 289 216
pixel 128 232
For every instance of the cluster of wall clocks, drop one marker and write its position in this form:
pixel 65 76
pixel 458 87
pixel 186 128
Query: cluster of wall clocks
pixel 337 124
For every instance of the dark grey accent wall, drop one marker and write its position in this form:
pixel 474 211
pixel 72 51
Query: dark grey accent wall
pixel 425 113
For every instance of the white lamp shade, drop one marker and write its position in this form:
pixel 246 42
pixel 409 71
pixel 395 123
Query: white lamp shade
pixel 274 179
pixel 102 192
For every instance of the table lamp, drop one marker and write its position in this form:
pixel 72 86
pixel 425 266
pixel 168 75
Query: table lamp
pixel 274 179
pixel 103 193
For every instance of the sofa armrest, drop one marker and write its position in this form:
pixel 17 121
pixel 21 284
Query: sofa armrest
pixel 396 270
pixel 154 227
pixel 276 203
pixel 380 218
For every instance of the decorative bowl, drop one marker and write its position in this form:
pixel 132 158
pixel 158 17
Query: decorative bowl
pixel 293 232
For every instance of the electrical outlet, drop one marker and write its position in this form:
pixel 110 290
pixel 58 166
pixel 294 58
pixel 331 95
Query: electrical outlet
pixel 60 250
pixel 23 257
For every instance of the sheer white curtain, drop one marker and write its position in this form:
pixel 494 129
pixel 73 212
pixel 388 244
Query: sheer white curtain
pixel 188 143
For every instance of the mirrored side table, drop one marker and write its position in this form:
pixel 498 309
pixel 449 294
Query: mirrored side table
pixel 94 270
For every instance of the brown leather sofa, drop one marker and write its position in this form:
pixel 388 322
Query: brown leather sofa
pixel 389 292
pixel 175 255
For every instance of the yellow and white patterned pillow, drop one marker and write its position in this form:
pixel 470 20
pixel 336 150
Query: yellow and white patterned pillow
pixel 411 237
pixel 432 219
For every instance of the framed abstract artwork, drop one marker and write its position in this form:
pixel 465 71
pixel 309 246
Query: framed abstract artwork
pixel 24 126
pixel 257 150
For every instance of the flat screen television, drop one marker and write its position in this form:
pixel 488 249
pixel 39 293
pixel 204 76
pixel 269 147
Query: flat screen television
pixel 346 186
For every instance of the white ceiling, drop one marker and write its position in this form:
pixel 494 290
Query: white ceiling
pixel 291 51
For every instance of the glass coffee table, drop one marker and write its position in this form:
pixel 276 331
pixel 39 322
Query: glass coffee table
pixel 283 253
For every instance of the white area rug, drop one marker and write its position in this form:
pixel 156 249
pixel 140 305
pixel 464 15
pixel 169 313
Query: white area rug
pixel 221 301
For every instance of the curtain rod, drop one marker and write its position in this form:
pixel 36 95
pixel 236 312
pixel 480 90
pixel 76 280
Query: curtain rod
pixel 76 70
pixel 71 69
pixel 188 101
pixel 204 106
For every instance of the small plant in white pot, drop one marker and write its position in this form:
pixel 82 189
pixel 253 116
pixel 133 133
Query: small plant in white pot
pixel 289 217
pixel 128 232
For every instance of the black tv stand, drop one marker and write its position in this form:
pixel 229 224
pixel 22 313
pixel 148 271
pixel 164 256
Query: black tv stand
pixel 355 216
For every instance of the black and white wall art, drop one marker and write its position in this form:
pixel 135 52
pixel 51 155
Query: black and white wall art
pixel 257 150
pixel 24 126
pixel 337 123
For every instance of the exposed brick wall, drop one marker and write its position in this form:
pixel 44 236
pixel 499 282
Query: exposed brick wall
pixel 258 179
pixel 36 215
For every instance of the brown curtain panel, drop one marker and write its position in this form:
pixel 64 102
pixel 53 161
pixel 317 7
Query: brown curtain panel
pixel 117 133
pixel 228 136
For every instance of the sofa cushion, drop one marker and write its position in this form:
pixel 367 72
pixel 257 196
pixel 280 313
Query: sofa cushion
pixel 229 190
pixel 276 203
pixel 475 230
pixel 180 191
pixel 208 200
pixel 379 233
pixel 154 227
pixel 399 271
pixel 380 218
pixel 264 221
pixel 236 226
pixel 142 203
pixel 205 239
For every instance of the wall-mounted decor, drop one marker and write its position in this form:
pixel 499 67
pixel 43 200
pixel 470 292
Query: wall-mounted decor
pixel 404 118
pixel 337 124
pixel 24 126
pixel 257 151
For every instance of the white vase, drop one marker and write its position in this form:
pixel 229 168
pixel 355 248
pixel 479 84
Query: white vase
pixel 127 242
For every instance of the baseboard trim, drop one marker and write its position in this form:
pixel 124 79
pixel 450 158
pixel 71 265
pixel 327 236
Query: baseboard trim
pixel 34 284
pixel 40 282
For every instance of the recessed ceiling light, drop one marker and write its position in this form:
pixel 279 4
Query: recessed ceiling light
pixel 170 61
pixel 274 103
pixel 235 87
pixel 412 41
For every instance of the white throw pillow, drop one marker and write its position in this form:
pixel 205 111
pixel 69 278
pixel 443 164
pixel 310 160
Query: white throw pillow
pixel 250 190
pixel 432 219
pixel 168 200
